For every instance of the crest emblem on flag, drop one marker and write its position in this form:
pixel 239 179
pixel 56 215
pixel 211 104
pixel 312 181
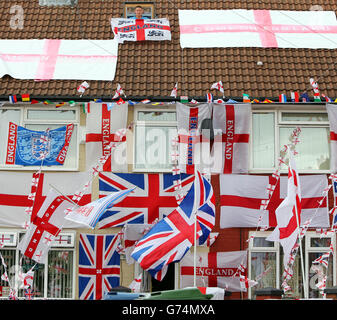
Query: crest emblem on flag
pixel 33 148
pixel 99 265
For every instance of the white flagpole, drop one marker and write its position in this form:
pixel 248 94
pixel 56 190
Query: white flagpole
pixel 195 233
pixel 64 196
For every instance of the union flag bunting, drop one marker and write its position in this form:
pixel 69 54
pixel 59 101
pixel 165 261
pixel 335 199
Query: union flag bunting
pixel 242 196
pixel 23 190
pixel 193 146
pixel 215 269
pixel 231 125
pixel 101 126
pixel 99 265
pixel 153 197
pixel 45 226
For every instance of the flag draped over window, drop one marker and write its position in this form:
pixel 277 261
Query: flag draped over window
pixel 153 197
pixel 214 269
pixel 170 239
pixel 35 148
pixel 242 198
pixel 101 127
pixel 232 126
pixel 98 265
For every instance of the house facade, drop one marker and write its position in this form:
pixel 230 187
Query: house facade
pixel 148 71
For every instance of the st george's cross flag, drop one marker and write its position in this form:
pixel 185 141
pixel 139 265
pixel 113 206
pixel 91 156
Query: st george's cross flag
pixel 194 147
pixel 35 148
pixel 232 126
pixel 90 213
pixel 153 197
pixel 47 59
pixel 23 190
pixel 171 238
pixel 141 29
pixel 332 115
pixel 288 214
pixel 240 207
pixel 258 28
pixel 214 269
pixel 101 127
pixel 46 225
pixel 98 265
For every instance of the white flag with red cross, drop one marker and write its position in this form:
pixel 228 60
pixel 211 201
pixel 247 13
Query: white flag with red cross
pixel 101 130
pixel 332 115
pixel 22 190
pixel 258 28
pixel 232 126
pixel 288 214
pixel 242 199
pixel 46 225
pixel 193 145
pixel 214 269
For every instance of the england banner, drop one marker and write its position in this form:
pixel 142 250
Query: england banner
pixel 49 59
pixel 215 269
pixel 141 29
pixel 194 147
pixel 23 190
pixel 101 126
pixel 45 226
pixel 153 198
pixel 241 198
pixel 35 148
pixel 257 28
pixel 98 265
pixel 232 126
pixel 332 114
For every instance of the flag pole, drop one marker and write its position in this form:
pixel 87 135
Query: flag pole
pixel 64 196
pixel 195 234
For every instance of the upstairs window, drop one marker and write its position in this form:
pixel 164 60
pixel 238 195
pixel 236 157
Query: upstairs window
pixel 129 9
pixel 58 2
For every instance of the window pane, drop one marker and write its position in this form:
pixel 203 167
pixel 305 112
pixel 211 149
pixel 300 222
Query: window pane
pixel 51 114
pixel 263 140
pixel 262 242
pixel 313 148
pixel 263 270
pixel 153 147
pixel 9 258
pixel 318 243
pixel 60 274
pixel 156 116
pixel 290 116
pixel 316 274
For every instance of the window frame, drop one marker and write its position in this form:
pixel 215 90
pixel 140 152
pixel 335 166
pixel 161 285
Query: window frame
pixel 278 123
pixel 277 248
pixel 54 247
pixel 25 121
pixel 149 123
pixel 132 4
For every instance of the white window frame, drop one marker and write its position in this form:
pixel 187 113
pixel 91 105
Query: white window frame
pixel 278 123
pixel 54 247
pixel 139 123
pixel 306 251
pixel 24 120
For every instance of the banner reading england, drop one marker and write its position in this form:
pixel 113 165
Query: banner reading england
pixel 140 29
pixel 34 148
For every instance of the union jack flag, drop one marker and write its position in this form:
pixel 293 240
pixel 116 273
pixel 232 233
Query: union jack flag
pixel 171 238
pixel 154 196
pixel 99 265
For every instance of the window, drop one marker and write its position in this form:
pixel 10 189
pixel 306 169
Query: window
pixel 129 9
pixel 55 279
pixel 272 129
pixel 40 118
pixel 57 2
pixel 265 264
pixel 154 131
